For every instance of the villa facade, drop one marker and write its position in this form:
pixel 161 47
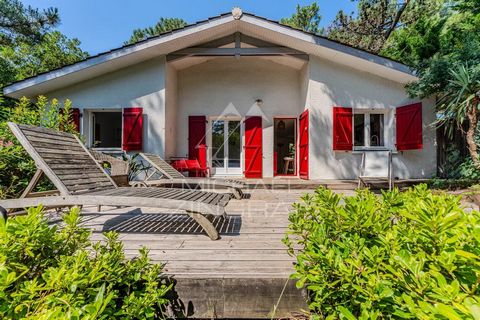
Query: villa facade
pixel 248 97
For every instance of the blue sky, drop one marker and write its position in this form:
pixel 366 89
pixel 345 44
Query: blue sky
pixel 102 25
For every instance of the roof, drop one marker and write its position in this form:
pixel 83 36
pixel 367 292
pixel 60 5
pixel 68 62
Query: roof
pixel 203 31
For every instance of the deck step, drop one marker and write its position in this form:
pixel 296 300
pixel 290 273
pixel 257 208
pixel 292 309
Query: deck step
pixel 237 298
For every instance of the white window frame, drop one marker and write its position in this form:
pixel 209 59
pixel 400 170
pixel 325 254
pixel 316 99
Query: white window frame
pixel 367 113
pixel 92 125
pixel 221 172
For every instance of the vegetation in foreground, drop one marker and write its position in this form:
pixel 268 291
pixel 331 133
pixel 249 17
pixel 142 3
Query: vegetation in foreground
pixel 412 254
pixel 48 272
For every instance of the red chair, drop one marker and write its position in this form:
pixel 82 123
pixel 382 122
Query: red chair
pixel 180 165
pixel 192 166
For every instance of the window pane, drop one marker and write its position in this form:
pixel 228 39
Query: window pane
pixel 107 130
pixel 234 144
pixel 217 144
pixel 376 130
pixel 359 130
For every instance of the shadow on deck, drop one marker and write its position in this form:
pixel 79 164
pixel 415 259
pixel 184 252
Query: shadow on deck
pixel 160 223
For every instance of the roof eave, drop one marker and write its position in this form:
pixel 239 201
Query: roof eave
pixel 403 73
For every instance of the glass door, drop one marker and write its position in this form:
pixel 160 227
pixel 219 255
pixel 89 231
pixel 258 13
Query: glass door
pixel 226 147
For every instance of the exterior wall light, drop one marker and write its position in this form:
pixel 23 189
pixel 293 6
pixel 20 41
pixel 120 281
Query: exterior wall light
pixel 259 102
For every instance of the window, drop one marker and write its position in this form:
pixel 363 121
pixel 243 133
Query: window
pixel 107 129
pixel 359 130
pixel 376 130
pixel 368 130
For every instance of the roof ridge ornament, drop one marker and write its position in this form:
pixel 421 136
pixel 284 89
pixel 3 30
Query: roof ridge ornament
pixel 237 13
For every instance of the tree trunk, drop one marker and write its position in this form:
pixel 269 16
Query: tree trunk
pixel 470 137
pixel 396 19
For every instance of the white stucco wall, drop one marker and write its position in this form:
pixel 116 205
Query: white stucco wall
pixel 230 86
pixel 141 85
pixel 331 85
pixel 171 108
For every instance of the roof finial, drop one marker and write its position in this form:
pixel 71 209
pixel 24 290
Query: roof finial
pixel 237 13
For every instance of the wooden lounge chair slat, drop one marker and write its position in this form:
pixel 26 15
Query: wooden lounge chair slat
pixel 162 166
pixel 190 196
pixel 70 157
pixel 71 166
pixel 214 199
pixel 52 147
pixel 210 198
pixel 68 175
pixel 51 138
pixel 65 157
pixel 59 152
pixel 66 171
pixel 201 197
pixel 49 132
pixel 35 139
pixel 80 181
pixel 217 199
pixel 78 171
pixel 55 161
pixel 176 178
pixel 167 192
pixel 88 185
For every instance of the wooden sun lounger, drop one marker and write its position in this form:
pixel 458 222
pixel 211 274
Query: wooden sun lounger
pixel 80 180
pixel 173 177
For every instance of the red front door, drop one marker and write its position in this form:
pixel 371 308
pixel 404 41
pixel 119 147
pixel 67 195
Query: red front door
pixel 197 143
pixel 253 147
pixel 303 145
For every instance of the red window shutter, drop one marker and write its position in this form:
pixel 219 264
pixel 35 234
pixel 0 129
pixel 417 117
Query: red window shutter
pixel 253 147
pixel 197 143
pixel 132 129
pixel 303 145
pixel 76 118
pixel 342 128
pixel 409 127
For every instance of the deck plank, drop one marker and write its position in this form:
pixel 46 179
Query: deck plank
pixel 248 261
pixel 256 248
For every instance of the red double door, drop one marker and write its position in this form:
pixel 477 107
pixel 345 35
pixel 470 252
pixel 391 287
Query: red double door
pixel 253 148
pixel 302 155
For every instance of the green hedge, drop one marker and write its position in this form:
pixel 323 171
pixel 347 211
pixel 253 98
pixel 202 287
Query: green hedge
pixel 411 254
pixel 48 272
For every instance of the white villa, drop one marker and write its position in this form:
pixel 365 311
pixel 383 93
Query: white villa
pixel 247 97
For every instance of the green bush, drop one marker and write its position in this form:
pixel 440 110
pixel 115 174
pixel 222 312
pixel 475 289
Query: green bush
pixel 460 167
pixel 451 184
pixel 48 272
pixel 16 167
pixel 412 254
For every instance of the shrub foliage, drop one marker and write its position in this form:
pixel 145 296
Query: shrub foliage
pixel 412 254
pixel 48 272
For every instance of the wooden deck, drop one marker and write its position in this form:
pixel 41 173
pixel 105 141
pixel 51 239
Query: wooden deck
pixel 242 275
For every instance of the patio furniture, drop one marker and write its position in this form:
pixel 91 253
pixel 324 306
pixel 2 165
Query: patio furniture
pixel 288 165
pixel 118 168
pixel 80 180
pixel 376 167
pixel 174 177
pixel 192 166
